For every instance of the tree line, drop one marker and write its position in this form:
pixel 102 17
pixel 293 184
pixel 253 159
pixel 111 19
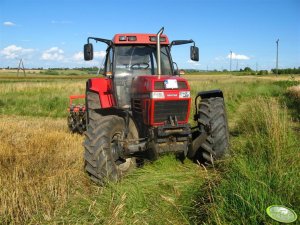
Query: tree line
pixel 287 71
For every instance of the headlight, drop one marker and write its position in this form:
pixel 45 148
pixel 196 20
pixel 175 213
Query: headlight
pixel 157 95
pixel 184 94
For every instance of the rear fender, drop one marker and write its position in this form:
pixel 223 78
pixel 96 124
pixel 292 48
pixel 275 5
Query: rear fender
pixel 210 94
pixel 104 87
pixel 204 95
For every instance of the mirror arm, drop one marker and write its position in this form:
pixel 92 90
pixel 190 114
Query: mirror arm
pixel 181 42
pixel 106 41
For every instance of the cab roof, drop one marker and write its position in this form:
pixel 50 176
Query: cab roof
pixel 122 39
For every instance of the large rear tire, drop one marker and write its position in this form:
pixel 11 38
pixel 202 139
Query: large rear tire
pixel 212 113
pixel 102 161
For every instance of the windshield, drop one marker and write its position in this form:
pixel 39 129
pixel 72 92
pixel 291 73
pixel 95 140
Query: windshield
pixel 136 60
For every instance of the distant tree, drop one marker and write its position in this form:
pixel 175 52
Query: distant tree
pixel 263 72
pixel 247 69
pixel 287 71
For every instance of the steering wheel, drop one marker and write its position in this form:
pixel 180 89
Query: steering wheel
pixel 137 66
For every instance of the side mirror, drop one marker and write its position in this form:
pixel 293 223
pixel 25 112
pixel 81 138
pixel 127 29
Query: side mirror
pixel 194 53
pixel 88 52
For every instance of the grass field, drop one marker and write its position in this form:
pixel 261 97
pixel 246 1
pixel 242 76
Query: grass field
pixel 42 179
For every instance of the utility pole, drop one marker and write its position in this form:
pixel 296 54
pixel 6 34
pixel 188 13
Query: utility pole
pixel 237 64
pixel 277 43
pixel 19 67
pixel 230 59
pixel 256 67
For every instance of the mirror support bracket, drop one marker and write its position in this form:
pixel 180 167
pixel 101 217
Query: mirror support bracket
pixel 106 41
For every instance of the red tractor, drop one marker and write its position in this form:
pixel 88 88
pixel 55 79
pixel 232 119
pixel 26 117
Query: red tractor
pixel 141 109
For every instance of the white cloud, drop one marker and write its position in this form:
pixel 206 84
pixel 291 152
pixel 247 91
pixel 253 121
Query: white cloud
pixel 237 56
pixel 53 54
pixel 193 63
pixel 13 52
pixel 8 24
pixel 78 56
pixel 97 55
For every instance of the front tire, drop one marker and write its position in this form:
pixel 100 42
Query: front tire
pixel 212 113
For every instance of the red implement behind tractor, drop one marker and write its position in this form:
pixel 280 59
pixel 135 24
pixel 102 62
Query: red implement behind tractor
pixel 77 115
pixel 141 109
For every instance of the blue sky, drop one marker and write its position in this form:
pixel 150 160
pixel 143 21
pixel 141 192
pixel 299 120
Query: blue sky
pixel 52 33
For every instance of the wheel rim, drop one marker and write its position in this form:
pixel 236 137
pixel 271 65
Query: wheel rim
pixel 123 166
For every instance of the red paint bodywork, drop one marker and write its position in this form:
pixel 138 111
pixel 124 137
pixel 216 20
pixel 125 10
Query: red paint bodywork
pixel 140 39
pixel 104 87
pixel 142 86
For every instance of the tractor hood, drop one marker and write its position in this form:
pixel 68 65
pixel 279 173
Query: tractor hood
pixel 145 84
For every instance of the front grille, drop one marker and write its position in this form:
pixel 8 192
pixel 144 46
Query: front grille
pixel 164 109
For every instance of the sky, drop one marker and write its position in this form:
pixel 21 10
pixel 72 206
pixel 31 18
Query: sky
pixel 51 33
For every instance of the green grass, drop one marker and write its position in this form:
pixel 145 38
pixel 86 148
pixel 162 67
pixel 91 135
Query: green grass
pixel 263 171
pixel 159 193
pixel 38 98
pixel 236 93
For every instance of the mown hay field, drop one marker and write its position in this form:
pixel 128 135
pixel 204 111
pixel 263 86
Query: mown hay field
pixel 41 164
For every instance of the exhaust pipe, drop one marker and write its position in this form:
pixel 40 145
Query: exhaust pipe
pixel 158 51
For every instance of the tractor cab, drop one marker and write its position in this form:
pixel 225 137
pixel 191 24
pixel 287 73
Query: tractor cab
pixel 132 55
